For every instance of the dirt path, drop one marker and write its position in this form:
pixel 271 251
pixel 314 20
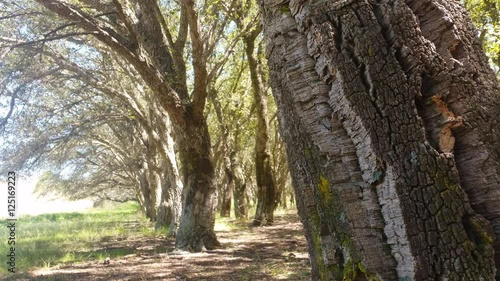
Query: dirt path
pixel 275 252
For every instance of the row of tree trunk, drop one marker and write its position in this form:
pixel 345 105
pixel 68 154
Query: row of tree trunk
pixel 389 112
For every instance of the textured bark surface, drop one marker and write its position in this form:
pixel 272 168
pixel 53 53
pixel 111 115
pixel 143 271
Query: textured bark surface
pixel 196 229
pixel 390 115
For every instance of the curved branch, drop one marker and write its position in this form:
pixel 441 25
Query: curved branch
pixel 19 15
pixel 169 99
pixel 26 43
pixel 163 25
pixel 4 120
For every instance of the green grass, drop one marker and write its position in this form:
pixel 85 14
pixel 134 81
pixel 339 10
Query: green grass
pixel 46 240
pixel 50 239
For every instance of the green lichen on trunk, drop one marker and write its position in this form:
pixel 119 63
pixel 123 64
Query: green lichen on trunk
pixel 332 222
pixel 324 188
pixel 284 9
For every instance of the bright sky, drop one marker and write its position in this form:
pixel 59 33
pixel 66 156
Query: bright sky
pixel 28 203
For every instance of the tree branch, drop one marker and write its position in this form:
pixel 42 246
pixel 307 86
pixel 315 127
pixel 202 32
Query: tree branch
pixel 72 34
pixel 199 95
pixel 164 25
pixel 125 17
pixel 4 120
pixel 216 38
pixel 180 42
pixel 169 99
pixel 19 15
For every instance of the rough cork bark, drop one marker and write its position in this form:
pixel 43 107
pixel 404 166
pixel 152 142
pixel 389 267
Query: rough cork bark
pixel 196 228
pixel 390 115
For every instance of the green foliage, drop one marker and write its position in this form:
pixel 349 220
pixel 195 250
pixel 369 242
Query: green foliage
pixel 486 16
pixel 88 134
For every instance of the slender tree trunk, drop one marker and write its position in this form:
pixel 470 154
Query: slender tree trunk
pixel 226 150
pixel 240 201
pixel 148 205
pixel 292 198
pixel 227 193
pixel 163 212
pixel 240 181
pixel 390 115
pixel 169 209
pixel 240 188
pixel 280 169
pixel 196 229
pixel 282 179
pixel 230 144
pixel 266 187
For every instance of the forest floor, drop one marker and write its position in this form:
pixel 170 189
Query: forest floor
pixel 276 252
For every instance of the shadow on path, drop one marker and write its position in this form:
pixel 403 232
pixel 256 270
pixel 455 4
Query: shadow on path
pixel 275 252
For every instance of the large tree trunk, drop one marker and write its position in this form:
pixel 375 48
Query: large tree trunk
pixel 196 229
pixel 240 185
pixel 266 187
pixel 390 115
